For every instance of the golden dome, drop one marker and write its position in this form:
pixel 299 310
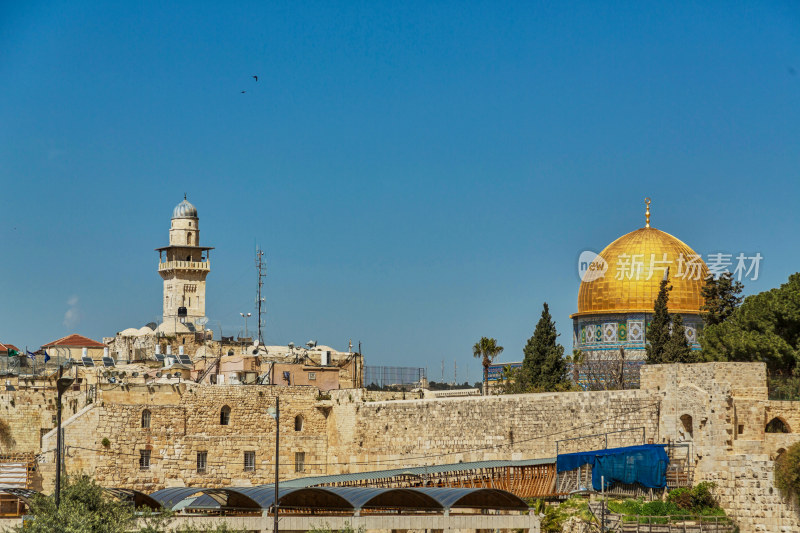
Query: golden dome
pixel 636 265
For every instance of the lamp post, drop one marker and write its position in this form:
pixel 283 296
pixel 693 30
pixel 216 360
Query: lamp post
pixel 62 384
pixel 245 316
pixel 275 412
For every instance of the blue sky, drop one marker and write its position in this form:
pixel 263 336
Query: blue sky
pixel 419 175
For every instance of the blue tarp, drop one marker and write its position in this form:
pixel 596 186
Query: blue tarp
pixel 645 464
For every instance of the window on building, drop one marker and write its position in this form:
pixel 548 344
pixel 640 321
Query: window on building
pixel 146 419
pixel 312 376
pixel 249 461
pixel 144 459
pixel 298 423
pixel 688 429
pixel 225 416
pixel 202 461
pixel 300 461
pixel 189 238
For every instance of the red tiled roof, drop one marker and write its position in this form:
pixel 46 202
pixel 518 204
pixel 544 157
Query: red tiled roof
pixel 3 348
pixel 11 347
pixel 75 341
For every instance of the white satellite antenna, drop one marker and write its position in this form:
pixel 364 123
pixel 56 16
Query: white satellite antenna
pixel 202 321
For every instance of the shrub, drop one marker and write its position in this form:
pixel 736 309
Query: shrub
pixel 105 442
pixel 787 471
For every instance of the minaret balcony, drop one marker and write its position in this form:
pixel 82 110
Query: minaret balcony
pixel 184 265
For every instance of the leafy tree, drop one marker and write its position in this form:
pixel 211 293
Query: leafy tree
pixel 766 328
pixel 543 367
pixel 677 349
pixel 87 508
pixel 722 296
pixel 787 471
pixel 487 349
pixel 658 332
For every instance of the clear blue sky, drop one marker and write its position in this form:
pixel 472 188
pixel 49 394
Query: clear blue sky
pixel 419 175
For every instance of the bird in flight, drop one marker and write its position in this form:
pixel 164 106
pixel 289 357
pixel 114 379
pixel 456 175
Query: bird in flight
pixel 255 78
pixel 244 92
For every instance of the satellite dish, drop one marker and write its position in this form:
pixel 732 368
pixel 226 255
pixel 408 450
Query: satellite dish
pixel 311 344
pixel 158 374
pixel 203 320
pixel 230 352
pixel 255 351
pixel 152 325
pixel 291 346
pixel 135 375
pixel 255 342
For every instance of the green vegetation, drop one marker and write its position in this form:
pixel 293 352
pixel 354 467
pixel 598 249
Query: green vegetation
pixel 658 330
pixel 486 349
pixel 722 296
pixel 787 472
pixel 697 501
pixel 554 516
pixel 677 349
pixel 87 508
pixel 544 367
pixel 765 328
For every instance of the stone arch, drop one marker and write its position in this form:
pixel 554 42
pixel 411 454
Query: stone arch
pixel 687 426
pixel 298 423
pixel 777 425
pixel 225 416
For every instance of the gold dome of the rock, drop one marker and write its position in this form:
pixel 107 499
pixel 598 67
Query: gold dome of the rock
pixel 636 265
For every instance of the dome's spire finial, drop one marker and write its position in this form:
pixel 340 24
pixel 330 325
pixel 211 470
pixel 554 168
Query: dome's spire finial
pixel 647 213
pixel 184 196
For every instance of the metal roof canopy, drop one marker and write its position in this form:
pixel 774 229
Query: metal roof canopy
pixel 345 498
pixel 411 471
pixel 135 497
pixel 26 495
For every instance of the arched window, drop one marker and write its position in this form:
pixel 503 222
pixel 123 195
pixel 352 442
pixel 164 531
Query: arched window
pixel 189 238
pixel 688 430
pixel 225 416
pixel 777 425
pixel 146 419
pixel 298 423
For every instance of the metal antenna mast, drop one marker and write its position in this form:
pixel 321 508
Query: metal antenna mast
pixel 261 267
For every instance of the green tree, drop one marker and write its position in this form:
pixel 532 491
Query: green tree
pixel 787 472
pixel 722 296
pixel 658 331
pixel 677 349
pixel 543 365
pixel 766 328
pixel 486 349
pixel 87 508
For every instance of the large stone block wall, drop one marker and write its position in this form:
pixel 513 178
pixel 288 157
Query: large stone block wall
pixel 186 419
pixel 373 435
pixel 745 488
pixel 24 413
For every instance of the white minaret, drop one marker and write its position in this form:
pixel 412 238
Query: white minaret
pixel 184 265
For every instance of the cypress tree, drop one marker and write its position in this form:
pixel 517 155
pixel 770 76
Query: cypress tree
pixel 544 367
pixel 677 348
pixel 658 332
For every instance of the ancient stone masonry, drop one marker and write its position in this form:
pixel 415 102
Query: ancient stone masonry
pixel 150 436
pixel 418 432
pixel 186 420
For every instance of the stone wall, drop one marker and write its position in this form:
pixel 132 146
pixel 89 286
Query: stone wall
pixel 745 488
pixel 387 434
pixel 185 420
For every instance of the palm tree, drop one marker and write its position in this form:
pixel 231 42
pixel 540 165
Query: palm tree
pixel 487 349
